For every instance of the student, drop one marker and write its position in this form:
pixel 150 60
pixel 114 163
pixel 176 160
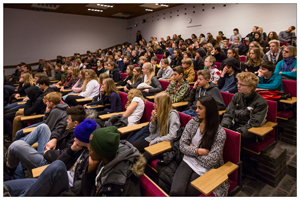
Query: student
pixel 165 56
pixel 267 78
pixel 198 61
pixel 236 44
pixel 150 80
pixel 228 80
pixel 78 86
pixel 134 59
pixel 106 68
pixel 286 36
pixel 75 78
pixel 189 72
pixel 137 78
pixel 57 70
pixel 114 71
pixel 99 69
pixel 259 40
pixel 233 53
pixel 142 60
pixel 209 49
pixel 21 150
pixel 255 60
pixel 26 81
pixel 64 72
pixel 243 49
pixel 275 53
pixel 202 144
pixel 89 90
pixel 165 72
pixel 129 71
pixel 271 36
pixel 287 68
pixel 214 72
pixel 67 79
pixel 119 62
pixel 154 61
pixel 247 108
pixel 178 89
pixel 176 61
pixel 235 34
pixel 204 87
pixel 126 62
pixel 163 125
pixel 55 179
pixel 251 35
pixel 219 54
pixel 225 46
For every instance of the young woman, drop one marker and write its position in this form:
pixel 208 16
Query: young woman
pixel 89 90
pixel 100 69
pixel 57 70
pixel 78 85
pixel 137 78
pixel 201 38
pixel 49 71
pixel 114 71
pixel 255 60
pixel 209 48
pixel 26 81
pixel 201 143
pixel 271 36
pixel 167 56
pixel 255 44
pixel 150 80
pixel 129 71
pixel 261 42
pixel 287 68
pixel 163 125
pixel 233 53
pixel 75 78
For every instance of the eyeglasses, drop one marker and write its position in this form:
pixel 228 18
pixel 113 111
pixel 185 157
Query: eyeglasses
pixel 241 84
pixel 285 51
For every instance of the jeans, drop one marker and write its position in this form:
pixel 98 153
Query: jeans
pixel 13 106
pixel 21 150
pixel 190 112
pixel 52 182
pixel 65 96
pixel 20 134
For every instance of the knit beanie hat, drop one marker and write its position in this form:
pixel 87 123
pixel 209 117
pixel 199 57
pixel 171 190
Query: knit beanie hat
pixel 201 52
pixel 84 129
pixel 105 141
pixel 234 63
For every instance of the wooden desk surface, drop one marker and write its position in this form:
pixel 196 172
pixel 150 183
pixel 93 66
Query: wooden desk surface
pixel 76 94
pixel 135 127
pixel 263 130
pixel 158 148
pixel 221 112
pixel 120 87
pixel 85 99
pixel 19 98
pixel 179 104
pixel 28 130
pixel 214 178
pixel 20 103
pixel 150 97
pixel 36 172
pixel 54 81
pixel 192 83
pixel 67 90
pixel 32 117
pixel 289 100
pixel 109 115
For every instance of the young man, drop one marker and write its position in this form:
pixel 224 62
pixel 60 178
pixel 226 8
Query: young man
pixel 228 81
pixel 63 174
pixel 203 87
pixel 275 53
pixel 243 49
pixel 286 36
pixel 21 150
pixel 179 89
pixel 214 72
pixel 198 61
pixel 119 61
pixel 165 72
pixel 154 61
pixel 225 46
pixel 267 78
pixel 126 61
pixel 235 34
pixel 189 72
pixel 247 108
pixel 142 60
pixel 134 59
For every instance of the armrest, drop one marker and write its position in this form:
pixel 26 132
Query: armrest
pixel 180 104
pixel 84 100
pixel 36 172
pixel 97 106
pixel 150 97
pixel 20 103
pixel 165 79
pixel 221 112
pixel 158 148
pixel 31 117
pixel 35 145
pixel 28 130
pixel 53 81
pixel 289 100
pixel 76 94
pixel 67 90
pixel 120 87
pixel 263 130
pixel 106 116
pixel 16 84
pixel 131 128
pixel 214 178
pixel 19 98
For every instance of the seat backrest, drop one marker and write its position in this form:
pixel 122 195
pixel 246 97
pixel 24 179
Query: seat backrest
pixel 283 43
pixel 159 57
pixel 243 58
pixel 147 112
pixel 123 97
pixel 149 188
pixel 230 97
pixel 271 115
pixel 196 75
pixel 164 84
pixel 218 64
pixel 290 86
pixel 136 65
pixel 225 96
pixel 123 75
pixel 184 119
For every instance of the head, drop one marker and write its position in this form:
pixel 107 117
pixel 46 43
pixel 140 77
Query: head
pixel 209 61
pixel 225 43
pixel 109 86
pixel 52 99
pixel 254 53
pixel 247 82
pixel 83 131
pixel 57 67
pixel 235 31
pixel 82 74
pixel 274 46
pixel 111 65
pixel 70 70
pixel 233 53
pixel 291 28
pixel 147 69
pixel 186 62
pixel 257 36
pixel 38 75
pixel 26 78
pixel 142 59
pixel 178 73
pixel 102 77
pixel 154 60
pixel 236 40
pixel 133 93
pixel 267 68
pixel 289 51
pixel 164 63
pixel 203 77
pixel 75 72
pixel 43 82
pixel 187 54
pixel 129 70
pixel 254 29
pixel 76 115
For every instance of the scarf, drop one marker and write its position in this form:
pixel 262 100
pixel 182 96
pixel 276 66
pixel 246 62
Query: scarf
pixel 288 64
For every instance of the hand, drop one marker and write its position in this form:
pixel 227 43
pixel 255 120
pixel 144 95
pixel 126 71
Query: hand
pixel 47 110
pixel 259 73
pixel 17 87
pixel 125 88
pixel 84 106
pixel 191 144
pixel 129 82
pixel 45 152
pixel 17 96
pixel 196 84
pixel 149 143
pixel 202 152
pixel 153 115
pixel 225 69
pixel 76 147
pixel 146 90
pixel 62 88
pixel 93 164
pixel 295 69
pixel 51 144
pixel 10 79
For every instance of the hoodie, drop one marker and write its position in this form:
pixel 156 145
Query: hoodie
pixel 212 90
pixel 120 177
pixel 35 103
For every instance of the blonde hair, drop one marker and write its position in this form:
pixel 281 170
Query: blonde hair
pixel 208 45
pixel 205 73
pixel 133 93
pixel 65 67
pixel 75 71
pixel 54 97
pixel 292 50
pixel 164 106
pixel 257 45
pixel 258 57
pixel 27 77
pixel 92 76
pixel 143 58
pixel 134 78
pixel 211 59
pixel 82 72
pixel 275 42
pixel 187 61
pixel 250 78
pixel 110 86
pixel 102 77
pixel 150 67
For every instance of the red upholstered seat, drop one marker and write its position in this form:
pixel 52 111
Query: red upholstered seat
pixel 285 114
pixel 123 75
pixel 290 86
pixel 159 57
pixel 243 58
pixel 229 44
pixel 136 65
pixel 164 84
pixel 225 96
pixel 147 112
pixel 123 97
pixel 218 64
pixel 283 43
pixel 149 188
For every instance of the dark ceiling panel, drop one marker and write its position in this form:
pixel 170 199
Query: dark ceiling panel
pixel 81 9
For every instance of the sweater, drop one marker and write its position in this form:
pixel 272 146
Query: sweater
pixel 189 74
pixel 78 86
pixel 274 83
pixel 291 75
pixel 115 102
pixel 228 83
pixel 231 39
pixel 165 73
pixel 268 57
pixel 92 89
pixel 115 75
pixel 137 82
pixel 156 86
pixel 179 93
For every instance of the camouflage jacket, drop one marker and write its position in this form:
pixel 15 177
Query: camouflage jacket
pixel 182 92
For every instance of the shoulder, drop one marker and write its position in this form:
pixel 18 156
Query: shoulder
pixel 136 99
pixel 173 114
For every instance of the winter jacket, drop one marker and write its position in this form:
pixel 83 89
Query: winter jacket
pixel 35 103
pixel 176 62
pixel 274 83
pixel 279 56
pixel 291 75
pixel 180 93
pixel 118 121
pixel 243 49
pixel 198 64
pixel 156 86
pixel 189 74
pixel 220 57
pixel 63 75
pixel 120 177
pixel 246 112
pixel 214 159
pixel 212 90
pixel 22 87
pixel 115 75
pixel 71 83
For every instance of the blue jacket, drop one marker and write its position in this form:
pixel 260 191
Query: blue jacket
pixel 292 75
pixel 274 83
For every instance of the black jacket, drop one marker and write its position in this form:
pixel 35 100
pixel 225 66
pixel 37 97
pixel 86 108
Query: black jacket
pixel 159 52
pixel 137 82
pixel 198 64
pixel 220 57
pixel 35 103
pixel 243 49
pixel 124 81
pixel 21 88
pixel 176 62
pixel 115 75
pixel 134 59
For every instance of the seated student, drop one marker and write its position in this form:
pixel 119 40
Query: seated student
pixel 126 63
pixel 49 71
pixel 78 86
pixel 247 108
pixel 225 46
pixel 232 53
pixel 21 150
pixel 204 87
pixel 179 89
pixel 176 61
pixel 64 72
pixel 57 70
pixel 275 53
pixel 189 72
pixel 137 78
pixel 26 81
pixel 67 79
pixel 236 44
pixel 219 54
pixel 255 60
pixel 134 59
pixel 159 50
pixel 75 78
pixel 142 60
pixel 202 144
pixel 55 179
pixel 267 78
pixel 99 69
pixel 89 90
pixel 154 61
pixel 129 70
pixel 259 40
pixel 214 72
pixel 114 71
pixel 165 72
pixel 198 61
pixel 150 80
pixel 106 68
pixel 119 62
pixel 287 68
pixel 86 64
pixel 228 81
pixel 163 125
pixel 165 56
pixel 243 49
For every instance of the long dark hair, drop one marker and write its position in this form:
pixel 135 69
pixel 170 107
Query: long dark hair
pixel 211 122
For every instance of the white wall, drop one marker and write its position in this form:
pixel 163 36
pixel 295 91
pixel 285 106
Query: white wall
pixel 31 35
pixel 271 17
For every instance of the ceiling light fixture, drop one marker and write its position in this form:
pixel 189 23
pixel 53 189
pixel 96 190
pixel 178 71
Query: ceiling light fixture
pixel 95 10
pixel 162 4
pixel 105 5
pixel 148 9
